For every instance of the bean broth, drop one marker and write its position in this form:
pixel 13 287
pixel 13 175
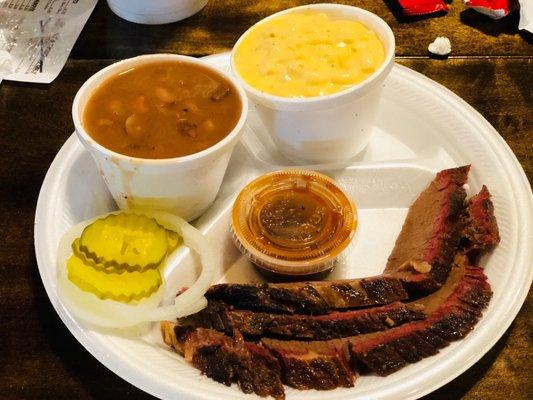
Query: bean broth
pixel 162 110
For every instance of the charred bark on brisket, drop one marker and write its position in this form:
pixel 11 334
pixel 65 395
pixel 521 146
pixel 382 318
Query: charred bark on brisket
pixel 454 319
pixel 456 311
pixel 227 359
pixel 322 365
pixel 312 298
pixel 221 317
pixel 328 368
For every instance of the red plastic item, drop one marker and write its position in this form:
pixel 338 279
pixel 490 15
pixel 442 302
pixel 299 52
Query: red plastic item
pixel 422 7
pixel 493 8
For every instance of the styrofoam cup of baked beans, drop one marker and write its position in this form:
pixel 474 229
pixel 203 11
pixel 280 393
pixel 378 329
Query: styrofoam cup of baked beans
pixel 184 185
pixel 155 12
pixel 324 128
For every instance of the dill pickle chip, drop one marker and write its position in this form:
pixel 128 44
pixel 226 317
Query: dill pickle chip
pixel 173 238
pixel 125 287
pixel 124 241
pixel 109 269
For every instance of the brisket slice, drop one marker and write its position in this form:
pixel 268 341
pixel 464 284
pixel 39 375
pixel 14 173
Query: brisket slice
pixel 227 359
pixel 313 298
pixel 453 320
pixel 321 366
pixel 425 249
pixel 253 366
pixel 337 324
pixel 480 230
pixel 453 311
pixel 456 308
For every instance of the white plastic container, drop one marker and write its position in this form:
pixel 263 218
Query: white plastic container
pixel 185 186
pixel 154 12
pixel 328 128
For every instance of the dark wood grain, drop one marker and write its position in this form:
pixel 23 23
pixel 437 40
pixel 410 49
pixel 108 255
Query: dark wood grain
pixel 39 359
pixel 220 23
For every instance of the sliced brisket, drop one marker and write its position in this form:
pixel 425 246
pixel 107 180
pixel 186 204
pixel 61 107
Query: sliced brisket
pixel 337 324
pixel 313 298
pixel 260 368
pixel 456 308
pixel 227 359
pixel 453 320
pixel 425 249
pixel 480 231
pixel 320 365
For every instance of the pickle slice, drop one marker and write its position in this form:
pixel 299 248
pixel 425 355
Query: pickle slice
pixel 123 241
pixel 173 238
pixel 110 269
pixel 125 287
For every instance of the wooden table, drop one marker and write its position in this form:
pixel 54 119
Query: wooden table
pixel 490 67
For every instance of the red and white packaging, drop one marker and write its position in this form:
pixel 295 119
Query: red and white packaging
pixel 495 9
pixel 422 7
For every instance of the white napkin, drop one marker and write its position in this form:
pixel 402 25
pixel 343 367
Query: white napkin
pixel 526 15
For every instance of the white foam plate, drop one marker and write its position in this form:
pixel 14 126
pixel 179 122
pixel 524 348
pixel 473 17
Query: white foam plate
pixel 421 128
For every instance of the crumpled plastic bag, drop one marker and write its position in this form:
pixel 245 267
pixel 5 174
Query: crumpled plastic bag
pixel 36 37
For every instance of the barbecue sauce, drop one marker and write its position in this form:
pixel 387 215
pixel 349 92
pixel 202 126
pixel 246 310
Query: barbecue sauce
pixel 293 222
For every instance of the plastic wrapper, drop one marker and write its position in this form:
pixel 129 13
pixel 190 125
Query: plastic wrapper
pixel 36 36
pixel 495 9
pixel 422 7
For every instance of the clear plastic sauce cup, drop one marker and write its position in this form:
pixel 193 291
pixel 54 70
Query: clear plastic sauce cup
pixel 293 222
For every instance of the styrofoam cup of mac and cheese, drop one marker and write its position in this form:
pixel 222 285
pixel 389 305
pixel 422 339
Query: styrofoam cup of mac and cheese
pixel 314 75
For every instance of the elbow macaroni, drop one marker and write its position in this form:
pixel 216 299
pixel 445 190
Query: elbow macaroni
pixel 307 55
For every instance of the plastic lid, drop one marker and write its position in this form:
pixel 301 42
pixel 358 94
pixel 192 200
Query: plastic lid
pixel 293 222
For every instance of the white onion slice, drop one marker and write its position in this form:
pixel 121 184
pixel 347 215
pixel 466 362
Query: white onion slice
pixel 113 314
